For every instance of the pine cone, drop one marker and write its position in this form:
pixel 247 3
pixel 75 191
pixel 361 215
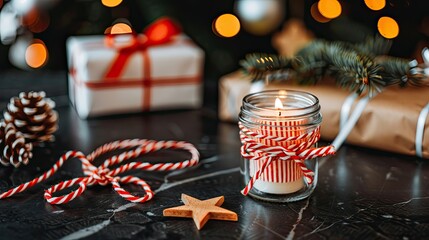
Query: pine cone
pixel 32 114
pixel 13 149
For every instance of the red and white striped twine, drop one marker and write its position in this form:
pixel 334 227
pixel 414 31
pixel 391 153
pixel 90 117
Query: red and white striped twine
pixel 102 175
pixel 292 148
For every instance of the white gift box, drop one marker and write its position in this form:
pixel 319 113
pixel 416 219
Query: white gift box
pixel 167 76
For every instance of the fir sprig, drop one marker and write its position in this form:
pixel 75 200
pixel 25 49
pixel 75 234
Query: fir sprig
pixel 401 72
pixel 354 71
pixel 310 64
pixel 259 64
pixel 374 46
pixel 361 68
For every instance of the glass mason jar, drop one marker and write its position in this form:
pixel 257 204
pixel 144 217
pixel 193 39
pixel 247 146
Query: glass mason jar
pixel 280 126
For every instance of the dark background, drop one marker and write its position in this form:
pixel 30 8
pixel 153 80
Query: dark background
pixel 362 193
pixel 88 17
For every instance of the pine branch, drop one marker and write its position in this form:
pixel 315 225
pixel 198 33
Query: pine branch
pixel 260 65
pixel 310 64
pixel 351 70
pixel 374 46
pixel 357 67
pixel 398 71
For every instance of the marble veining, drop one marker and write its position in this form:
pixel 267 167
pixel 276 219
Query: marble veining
pixel 361 193
pixel 88 231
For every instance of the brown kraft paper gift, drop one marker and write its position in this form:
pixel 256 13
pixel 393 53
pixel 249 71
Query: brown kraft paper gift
pixel 389 121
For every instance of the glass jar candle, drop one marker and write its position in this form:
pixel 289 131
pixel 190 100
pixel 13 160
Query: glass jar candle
pixel 279 130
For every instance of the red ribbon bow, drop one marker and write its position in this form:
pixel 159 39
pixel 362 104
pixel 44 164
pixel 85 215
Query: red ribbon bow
pixel 160 32
pixel 253 149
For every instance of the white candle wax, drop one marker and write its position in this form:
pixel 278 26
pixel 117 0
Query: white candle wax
pixel 279 188
pixel 275 183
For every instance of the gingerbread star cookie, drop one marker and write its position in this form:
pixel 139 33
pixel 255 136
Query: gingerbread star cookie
pixel 201 210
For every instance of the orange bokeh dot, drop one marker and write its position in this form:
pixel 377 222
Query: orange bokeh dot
pixel 120 28
pixel 111 3
pixel 227 25
pixel 108 30
pixel 329 8
pixel 316 14
pixel 388 27
pixel 375 4
pixel 36 54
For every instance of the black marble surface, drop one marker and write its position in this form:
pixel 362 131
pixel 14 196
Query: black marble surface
pixel 361 193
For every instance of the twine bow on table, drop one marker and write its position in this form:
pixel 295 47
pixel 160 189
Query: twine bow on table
pixel 254 150
pixel 102 175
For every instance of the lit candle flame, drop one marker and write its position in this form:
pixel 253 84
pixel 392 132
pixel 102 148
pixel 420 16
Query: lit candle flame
pixel 278 104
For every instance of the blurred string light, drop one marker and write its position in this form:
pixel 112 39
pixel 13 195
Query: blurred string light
pixel 30 18
pixel 28 53
pixel 22 7
pixel 119 28
pixel 9 24
pixel 36 54
pixel 36 21
pixel 329 8
pixel 388 27
pixel 111 3
pixel 226 25
pixel 19 19
pixel 325 10
pixel 260 17
pixel 375 4
pixel 314 11
pixel 17 50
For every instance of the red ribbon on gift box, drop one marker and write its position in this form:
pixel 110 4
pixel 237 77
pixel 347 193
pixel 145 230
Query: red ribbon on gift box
pixel 160 32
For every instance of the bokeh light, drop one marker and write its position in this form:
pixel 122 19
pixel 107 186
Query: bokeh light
pixel 36 54
pixel 251 10
pixel 260 17
pixel 316 14
pixel 41 23
pixel 31 17
pixel 388 27
pixel 120 28
pixel 108 30
pixel 36 20
pixel 22 7
pixel 226 25
pixel 329 8
pixel 375 4
pixel 111 3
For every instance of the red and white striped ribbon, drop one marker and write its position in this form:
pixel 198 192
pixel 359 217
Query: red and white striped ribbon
pixel 102 175
pixel 296 148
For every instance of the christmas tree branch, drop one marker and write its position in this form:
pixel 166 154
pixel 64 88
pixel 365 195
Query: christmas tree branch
pixel 362 68
pixel 258 65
